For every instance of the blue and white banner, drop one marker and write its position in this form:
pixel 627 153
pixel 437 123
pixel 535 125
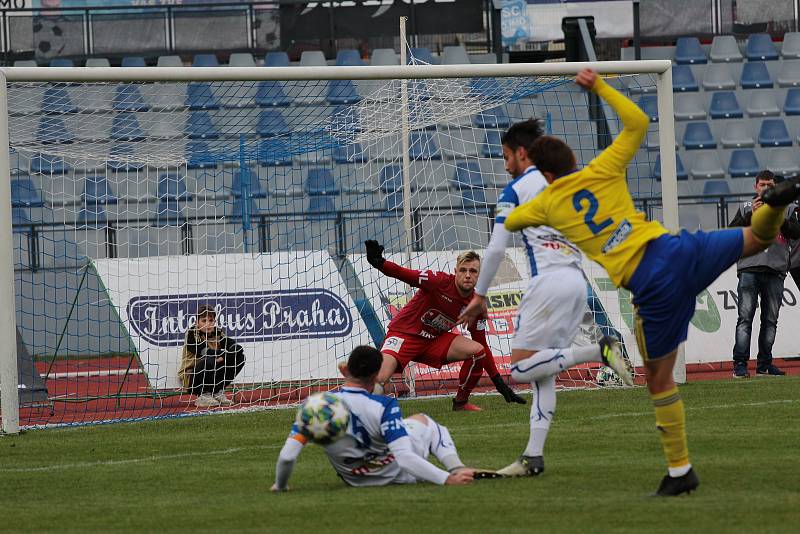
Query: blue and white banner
pixel 514 22
pixel 612 18
pixel 290 311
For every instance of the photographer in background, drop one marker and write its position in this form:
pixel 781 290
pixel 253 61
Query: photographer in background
pixel 761 276
pixel 210 360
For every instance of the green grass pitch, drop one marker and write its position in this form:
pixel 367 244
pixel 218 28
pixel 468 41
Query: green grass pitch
pixel 212 474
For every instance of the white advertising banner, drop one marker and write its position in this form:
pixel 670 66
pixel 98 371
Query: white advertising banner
pixel 612 18
pixel 290 311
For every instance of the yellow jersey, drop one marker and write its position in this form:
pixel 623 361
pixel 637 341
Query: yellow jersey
pixel 593 207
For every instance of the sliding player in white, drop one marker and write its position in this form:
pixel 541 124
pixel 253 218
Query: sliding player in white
pixel 381 447
pixel 551 309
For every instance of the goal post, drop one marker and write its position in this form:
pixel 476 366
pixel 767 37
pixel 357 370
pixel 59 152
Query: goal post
pixel 288 212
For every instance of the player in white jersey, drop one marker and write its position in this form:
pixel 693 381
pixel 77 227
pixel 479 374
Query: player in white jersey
pixel 380 447
pixel 551 309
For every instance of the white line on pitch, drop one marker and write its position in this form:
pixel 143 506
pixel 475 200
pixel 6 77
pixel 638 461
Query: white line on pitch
pixel 154 458
pixel 701 408
pixel 88 374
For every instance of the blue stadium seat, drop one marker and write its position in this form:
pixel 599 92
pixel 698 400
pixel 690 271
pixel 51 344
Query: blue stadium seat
pixel 273 152
pixel 321 208
pixel 348 57
pixel 353 153
pixel 239 206
pixel 467 179
pixel 492 146
pixel 791 105
pixel 19 216
pixel 760 48
pixel 773 132
pixel 128 97
pixel 421 145
pixel 391 179
pixel 199 96
pixel 198 156
pixel 342 92
pixel 199 125
pixel 492 118
pixel 724 105
pixel 716 187
pixel 271 123
pixel 743 164
pixel 172 186
pixel 683 79
pixel 205 60
pixel 649 105
pixel 97 190
pixel 125 127
pixel 270 93
pixel 755 76
pixel 61 62
pixel 133 61
pixel 25 194
pixel 93 214
pixel 276 59
pixel 320 182
pixel 119 159
pixel 49 165
pixel 688 51
pixel 169 212
pixel 52 130
pixel 698 136
pixel 680 170
pixel 423 54
pixel 57 100
pixel 254 187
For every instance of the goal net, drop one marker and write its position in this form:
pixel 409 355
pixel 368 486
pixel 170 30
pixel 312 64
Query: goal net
pixel 140 196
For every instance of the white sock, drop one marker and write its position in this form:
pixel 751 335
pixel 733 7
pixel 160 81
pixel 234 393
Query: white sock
pixel 543 408
pixel 550 362
pixel 676 472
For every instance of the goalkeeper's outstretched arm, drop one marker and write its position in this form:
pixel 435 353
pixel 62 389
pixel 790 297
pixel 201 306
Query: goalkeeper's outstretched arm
pixel 376 259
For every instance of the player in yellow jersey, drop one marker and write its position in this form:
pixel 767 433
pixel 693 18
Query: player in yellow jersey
pixel 592 208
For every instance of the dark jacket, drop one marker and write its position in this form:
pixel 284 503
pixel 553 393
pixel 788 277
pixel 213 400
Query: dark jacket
pixel 776 257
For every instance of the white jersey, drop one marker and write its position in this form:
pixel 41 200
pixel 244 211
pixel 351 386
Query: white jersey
pixel 363 457
pixel 547 248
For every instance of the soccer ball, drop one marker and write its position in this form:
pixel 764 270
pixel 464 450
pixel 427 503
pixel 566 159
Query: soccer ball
pixel 322 418
pixel 607 377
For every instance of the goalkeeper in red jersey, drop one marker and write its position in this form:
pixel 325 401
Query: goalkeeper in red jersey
pixel 422 331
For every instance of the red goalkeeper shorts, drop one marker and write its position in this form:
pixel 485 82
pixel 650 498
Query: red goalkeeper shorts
pixel 407 348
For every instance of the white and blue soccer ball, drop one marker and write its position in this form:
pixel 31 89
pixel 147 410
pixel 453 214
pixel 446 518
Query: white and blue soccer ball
pixel 323 418
pixel 607 377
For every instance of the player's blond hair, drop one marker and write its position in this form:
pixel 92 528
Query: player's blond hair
pixel 469 255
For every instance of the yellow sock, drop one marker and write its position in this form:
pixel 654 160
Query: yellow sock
pixel 767 221
pixel 671 424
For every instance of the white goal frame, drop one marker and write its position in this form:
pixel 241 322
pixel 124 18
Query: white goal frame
pixel 9 397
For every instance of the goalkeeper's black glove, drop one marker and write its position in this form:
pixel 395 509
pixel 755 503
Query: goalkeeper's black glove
pixel 374 253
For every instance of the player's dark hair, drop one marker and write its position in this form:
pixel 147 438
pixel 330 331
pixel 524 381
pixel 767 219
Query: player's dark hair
pixel 364 362
pixel 551 154
pixel 522 134
pixel 206 309
pixel 765 175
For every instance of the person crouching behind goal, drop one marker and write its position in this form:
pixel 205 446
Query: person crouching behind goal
pixel 422 331
pixel 210 361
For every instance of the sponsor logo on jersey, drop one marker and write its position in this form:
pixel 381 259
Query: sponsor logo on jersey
pixel 438 320
pixel 247 317
pixel 617 236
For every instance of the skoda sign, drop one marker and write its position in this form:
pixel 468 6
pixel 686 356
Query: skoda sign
pixel 247 317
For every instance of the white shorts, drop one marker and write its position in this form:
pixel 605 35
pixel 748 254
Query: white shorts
pixel 420 435
pixel 551 310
